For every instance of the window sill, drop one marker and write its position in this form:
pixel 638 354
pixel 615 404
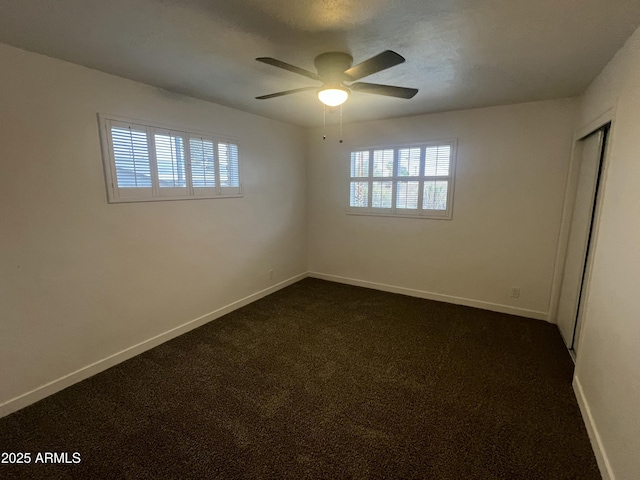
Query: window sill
pixel 169 199
pixel 447 216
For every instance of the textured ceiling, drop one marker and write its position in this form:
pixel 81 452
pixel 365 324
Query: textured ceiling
pixel 460 53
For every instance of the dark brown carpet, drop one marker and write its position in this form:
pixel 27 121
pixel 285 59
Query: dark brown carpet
pixel 322 380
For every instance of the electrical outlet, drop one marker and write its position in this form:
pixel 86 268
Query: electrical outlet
pixel 270 274
pixel 515 292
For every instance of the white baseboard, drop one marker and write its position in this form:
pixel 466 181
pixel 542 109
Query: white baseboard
pixel 83 373
pixel 495 307
pixel 594 436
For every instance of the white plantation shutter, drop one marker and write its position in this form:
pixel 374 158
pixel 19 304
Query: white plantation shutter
pixel 407 190
pixel 382 183
pixel 146 163
pixel 360 164
pixel 359 194
pixel 203 172
pixel 358 189
pixel 438 165
pixel 383 163
pixel 413 180
pixel 434 196
pixel 170 161
pixel 436 160
pixel 382 194
pixel 170 164
pixel 407 195
pixel 409 162
pixel 228 166
pixel 131 157
pixel 131 161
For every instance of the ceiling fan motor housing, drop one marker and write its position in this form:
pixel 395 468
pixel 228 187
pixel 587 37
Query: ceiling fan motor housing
pixel 332 65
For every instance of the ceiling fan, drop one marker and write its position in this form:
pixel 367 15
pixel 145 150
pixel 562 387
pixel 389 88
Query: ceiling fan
pixel 335 68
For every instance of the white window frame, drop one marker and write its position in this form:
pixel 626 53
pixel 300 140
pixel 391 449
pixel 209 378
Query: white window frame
pixel 395 178
pixel 155 193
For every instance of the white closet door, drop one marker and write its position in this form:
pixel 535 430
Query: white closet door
pixel 580 229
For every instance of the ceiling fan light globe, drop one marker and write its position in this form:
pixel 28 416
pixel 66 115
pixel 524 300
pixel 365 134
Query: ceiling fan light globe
pixel 332 97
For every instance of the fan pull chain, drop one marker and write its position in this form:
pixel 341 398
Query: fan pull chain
pixel 324 122
pixel 340 123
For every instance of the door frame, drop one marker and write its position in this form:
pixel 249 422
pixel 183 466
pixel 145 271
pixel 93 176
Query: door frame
pixel 604 119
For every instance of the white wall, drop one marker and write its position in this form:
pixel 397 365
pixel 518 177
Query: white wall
pixel 608 362
pixel 80 279
pixel 512 166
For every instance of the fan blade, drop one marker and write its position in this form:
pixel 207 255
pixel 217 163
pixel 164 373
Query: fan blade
pixel 287 66
pixel 286 92
pixel 388 90
pixel 382 61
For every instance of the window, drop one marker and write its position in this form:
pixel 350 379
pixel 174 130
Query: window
pixel 413 180
pixel 148 163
